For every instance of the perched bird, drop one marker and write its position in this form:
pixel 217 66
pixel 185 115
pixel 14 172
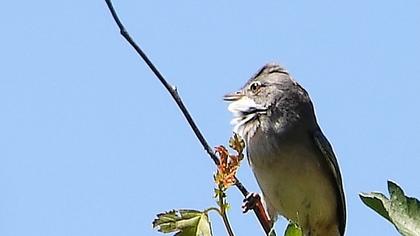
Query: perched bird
pixel 292 160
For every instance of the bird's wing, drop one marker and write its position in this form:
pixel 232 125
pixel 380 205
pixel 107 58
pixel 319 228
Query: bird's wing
pixel 325 147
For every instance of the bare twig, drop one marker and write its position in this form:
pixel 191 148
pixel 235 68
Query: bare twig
pixel 172 90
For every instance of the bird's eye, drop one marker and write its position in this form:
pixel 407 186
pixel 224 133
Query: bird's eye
pixel 255 86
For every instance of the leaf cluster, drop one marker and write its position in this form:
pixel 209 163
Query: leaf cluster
pixel 402 211
pixel 184 222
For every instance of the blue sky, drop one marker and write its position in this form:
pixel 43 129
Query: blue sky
pixel 91 144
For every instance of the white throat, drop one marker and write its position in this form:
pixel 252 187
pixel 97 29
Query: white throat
pixel 245 116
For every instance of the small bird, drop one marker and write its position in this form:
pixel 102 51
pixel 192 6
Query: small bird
pixel 292 160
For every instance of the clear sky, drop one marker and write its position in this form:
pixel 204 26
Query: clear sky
pixel 91 143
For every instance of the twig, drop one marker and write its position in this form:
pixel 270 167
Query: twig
pixel 174 93
pixel 222 205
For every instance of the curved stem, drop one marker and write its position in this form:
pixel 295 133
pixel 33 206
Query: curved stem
pixel 213 209
pixel 225 219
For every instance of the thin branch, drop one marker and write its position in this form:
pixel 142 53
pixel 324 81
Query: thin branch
pixel 227 224
pixel 222 205
pixel 172 90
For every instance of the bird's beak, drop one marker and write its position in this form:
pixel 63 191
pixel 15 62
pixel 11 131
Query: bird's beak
pixel 231 97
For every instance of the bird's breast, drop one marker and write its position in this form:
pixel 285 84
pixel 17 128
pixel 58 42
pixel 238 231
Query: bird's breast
pixel 292 179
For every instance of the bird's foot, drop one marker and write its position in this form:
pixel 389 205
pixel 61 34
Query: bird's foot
pixel 250 202
pixel 253 202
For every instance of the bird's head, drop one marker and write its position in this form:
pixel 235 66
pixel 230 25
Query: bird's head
pixel 269 100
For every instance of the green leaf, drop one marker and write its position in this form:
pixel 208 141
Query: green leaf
pixel 376 202
pixel 402 211
pixel 184 222
pixel 293 229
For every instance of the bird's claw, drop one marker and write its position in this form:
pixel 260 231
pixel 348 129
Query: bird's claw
pixel 250 202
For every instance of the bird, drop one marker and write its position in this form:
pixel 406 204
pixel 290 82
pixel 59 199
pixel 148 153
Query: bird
pixel 292 160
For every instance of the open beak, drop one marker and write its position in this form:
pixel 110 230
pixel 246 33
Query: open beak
pixel 244 110
pixel 231 97
pixel 241 105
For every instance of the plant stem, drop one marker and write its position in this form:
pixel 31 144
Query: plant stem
pixel 227 224
pixel 222 205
